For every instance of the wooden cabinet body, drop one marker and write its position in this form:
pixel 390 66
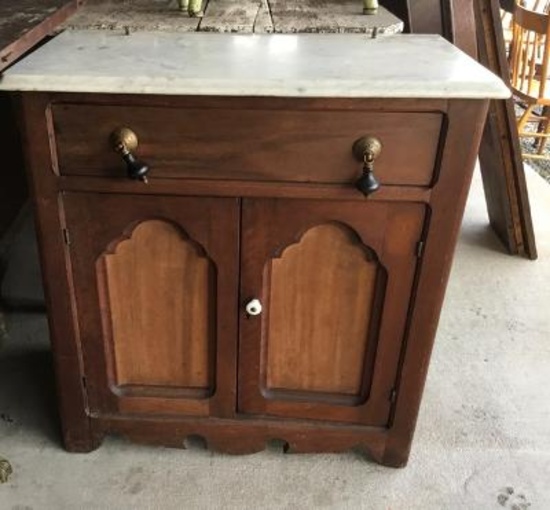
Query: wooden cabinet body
pixel 248 199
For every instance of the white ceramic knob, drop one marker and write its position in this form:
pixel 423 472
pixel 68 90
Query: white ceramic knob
pixel 254 307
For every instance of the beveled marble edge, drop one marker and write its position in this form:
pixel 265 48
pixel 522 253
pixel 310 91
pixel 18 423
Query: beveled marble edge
pixel 199 88
pixel 304 65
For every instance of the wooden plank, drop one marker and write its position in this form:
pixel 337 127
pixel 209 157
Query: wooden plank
pixel 500 155
pixel 426 17
pixel 464 26
pixel 162 15
pixel 26 22
pixel 453 19
pixel 477 29
pixel 325 16
pixel 244 16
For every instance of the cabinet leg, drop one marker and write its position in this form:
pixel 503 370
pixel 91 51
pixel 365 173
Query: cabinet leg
pixel 395 457
pixel 79 442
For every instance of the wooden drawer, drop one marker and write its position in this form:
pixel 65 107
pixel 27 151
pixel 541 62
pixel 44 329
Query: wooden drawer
pixel 253 144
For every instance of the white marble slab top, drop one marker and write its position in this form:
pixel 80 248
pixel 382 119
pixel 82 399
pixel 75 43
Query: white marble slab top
pixel 301 65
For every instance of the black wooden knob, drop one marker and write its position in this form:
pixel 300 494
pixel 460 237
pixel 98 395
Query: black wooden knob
pixel 135 168
pixel 367 183
pixel 125 141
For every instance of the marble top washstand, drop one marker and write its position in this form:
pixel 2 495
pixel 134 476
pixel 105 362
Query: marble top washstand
pixel 273 65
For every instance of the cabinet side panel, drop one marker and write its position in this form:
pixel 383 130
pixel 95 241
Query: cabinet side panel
pixel 78 430
pixel 157 287
pixel 315 344
pixel 466 121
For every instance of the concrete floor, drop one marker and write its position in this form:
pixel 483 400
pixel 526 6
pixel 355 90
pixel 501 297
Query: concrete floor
pixel 483 438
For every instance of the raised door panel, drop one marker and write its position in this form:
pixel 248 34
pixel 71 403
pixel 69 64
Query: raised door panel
pixel 155 284
pixel 312 348
pixel 159 282
pixel 335 282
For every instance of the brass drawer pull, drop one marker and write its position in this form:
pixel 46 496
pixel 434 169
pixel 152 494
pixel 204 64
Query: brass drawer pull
pixel 366 150
pixel 125 141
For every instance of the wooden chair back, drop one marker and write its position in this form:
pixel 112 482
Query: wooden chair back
pixel 535 5
pixel 529 66
pixel 530 53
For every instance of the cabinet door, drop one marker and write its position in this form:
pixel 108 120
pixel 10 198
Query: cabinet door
pixel 334 280
pixel 155 281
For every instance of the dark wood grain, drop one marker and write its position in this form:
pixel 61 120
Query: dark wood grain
pixel 25 23
pixel 78 432
pixel 248 144
pixel 453 19
pixel 464 136
pixel 475 27
pixel 500 155
pixel 230 188
pixel 426 17
pixel 377 414
pixel 464 26
pixel 247 436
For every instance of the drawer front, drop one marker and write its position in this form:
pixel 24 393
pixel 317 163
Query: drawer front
pixel 263 145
